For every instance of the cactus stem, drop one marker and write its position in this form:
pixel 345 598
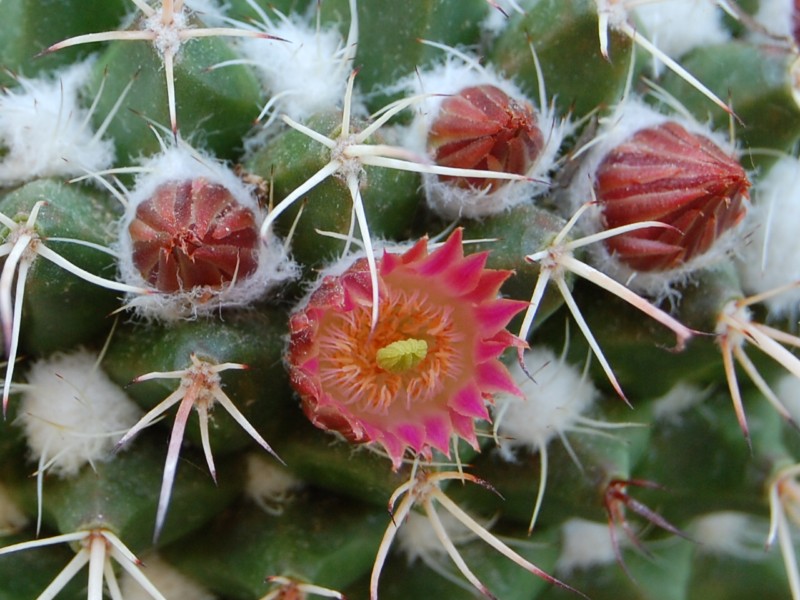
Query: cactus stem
pixel 167 32
pixel 201 387
pixel 97 548
pixel 735 327
pixel 424 488
pixel 290 588
pixel 558 257
pixel 784 501
pixel 23 244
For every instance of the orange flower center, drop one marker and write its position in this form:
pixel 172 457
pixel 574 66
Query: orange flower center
pixel 412 356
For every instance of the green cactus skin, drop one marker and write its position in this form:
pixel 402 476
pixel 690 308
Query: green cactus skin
pixel 253 339
pixel 682 460
pixel 83 308
pixel 314 539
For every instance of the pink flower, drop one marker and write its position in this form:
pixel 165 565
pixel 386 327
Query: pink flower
pixel 430 364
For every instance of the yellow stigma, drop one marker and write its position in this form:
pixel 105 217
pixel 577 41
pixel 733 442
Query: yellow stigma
pixel 402 355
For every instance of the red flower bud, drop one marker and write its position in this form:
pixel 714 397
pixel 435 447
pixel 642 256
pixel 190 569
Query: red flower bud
pixel 193 233
pixel 481 127
pixel 664 173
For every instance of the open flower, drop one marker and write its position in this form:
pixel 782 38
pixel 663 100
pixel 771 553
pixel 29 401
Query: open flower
pixel 426 368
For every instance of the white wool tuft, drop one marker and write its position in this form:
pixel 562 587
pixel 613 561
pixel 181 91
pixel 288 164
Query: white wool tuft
pixel 769 259
pixel 448 78
pixel 268 484
pixel 44 130
pixel 169 581
pixel 12 519
pixel 630 116
pixel 72 412
pixel 679 399
pixel 730 533
pixel 554 401
pixel 584 544
pixel 274 265
pixel 678 26
pixel 305 74
pixel 776 17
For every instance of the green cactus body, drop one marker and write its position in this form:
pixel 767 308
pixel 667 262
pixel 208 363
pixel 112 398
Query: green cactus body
pixel 375 247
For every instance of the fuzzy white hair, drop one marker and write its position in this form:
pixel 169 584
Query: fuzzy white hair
pixel 46 132
pixel 769 259
pixel 72 413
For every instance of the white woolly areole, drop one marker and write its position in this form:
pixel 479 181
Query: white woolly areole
pixel 12 519
pixel 269 485
pixel 417 538
pixel 554 401
pixel 584 544
pixel 172 584
pixel 451 201
pixel 45 132
pixel 730 533
pixel 679 399
pixel 678 26
pixel 629 117
pixel 274 264
pixel 305 74
pixel 72 413
pixel 770 259
pixel 776 17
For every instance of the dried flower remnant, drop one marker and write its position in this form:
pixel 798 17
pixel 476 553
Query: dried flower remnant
pixel 193 233
pixel 665 173
pixel 97 548
pixel 428 366
pixel 424 489
pixel 167 29
pixel 200 388
pixel 617 502
pixel 481 127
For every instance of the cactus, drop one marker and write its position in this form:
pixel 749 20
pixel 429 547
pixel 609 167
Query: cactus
pixel 470 297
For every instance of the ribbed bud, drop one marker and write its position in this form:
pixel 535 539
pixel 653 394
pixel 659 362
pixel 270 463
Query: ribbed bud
pixel 481 127
pixel 664 173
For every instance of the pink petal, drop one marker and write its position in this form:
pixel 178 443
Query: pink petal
pixel 438 430
pixel 465 428
pixel 496 315
pixel 493 377
pixel 412 435
pixel 444 256
pixel 462 277
pixel 468 401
